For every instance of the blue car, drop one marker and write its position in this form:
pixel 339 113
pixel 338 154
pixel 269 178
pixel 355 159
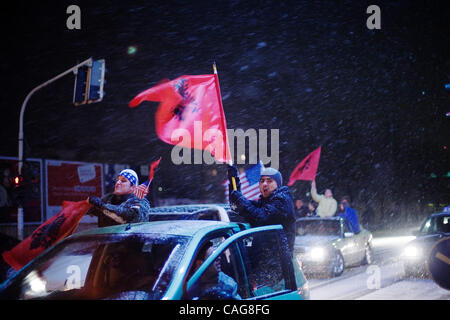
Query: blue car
pixel 165 260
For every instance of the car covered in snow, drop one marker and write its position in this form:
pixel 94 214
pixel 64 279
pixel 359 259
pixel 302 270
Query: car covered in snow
pixel 415 253
pixel 164 260
pixel 327 246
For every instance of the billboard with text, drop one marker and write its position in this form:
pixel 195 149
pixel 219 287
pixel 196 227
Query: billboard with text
pixel 71 181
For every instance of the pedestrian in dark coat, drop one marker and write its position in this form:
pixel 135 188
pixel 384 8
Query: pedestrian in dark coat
pixel 122 206
pixel 276 205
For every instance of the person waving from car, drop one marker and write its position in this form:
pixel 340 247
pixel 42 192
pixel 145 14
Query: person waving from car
pixel 275 206
pixel 121 206
pixel 327 205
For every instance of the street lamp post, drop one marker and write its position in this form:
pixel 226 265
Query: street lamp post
pixel 21 135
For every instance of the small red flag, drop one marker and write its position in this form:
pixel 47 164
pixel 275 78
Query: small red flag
pixel 152 169
pixel 190 104
pixel 53 230
pixel 307 168
pixel 142 190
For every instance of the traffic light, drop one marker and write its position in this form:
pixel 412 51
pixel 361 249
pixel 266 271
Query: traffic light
pixel 18 181
pixel 97 78
pixel 79 92
pixel 89 83
pixel 19 193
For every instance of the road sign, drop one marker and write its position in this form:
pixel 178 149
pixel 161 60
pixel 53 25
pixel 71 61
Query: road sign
pixel 439 263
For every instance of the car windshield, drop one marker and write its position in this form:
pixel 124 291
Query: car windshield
pixel 436 224
pixel 317 227
pixel 136 267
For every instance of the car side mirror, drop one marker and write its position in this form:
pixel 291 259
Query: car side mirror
pixel 348 234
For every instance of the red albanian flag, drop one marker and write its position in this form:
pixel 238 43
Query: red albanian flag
pixel 190 106
pixel 55 229
pixel 307 168
pixel 153 166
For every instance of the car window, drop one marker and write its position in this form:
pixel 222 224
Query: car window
pixel 443 224
pixel 223 279
pixel 429 226
pixel 200 253
pixel 249 267
pixel 318 227
pixel 436 224
pixel 131 267
pixel 264 264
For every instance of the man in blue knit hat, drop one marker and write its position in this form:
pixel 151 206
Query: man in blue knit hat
pixel 121 206
pixel 276 205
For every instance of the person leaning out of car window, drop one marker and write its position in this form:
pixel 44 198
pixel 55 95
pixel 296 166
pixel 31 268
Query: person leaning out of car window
pixel 348 213
pixel 275 206
pixel 121 206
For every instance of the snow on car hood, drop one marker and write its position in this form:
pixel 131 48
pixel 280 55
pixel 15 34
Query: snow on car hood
pixel 313 240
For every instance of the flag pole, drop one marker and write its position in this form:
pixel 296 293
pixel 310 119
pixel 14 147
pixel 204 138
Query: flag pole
pixel 222 114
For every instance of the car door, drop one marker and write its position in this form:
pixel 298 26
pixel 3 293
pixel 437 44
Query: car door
pixel 350 248
pixel 361 240
pixel 254 264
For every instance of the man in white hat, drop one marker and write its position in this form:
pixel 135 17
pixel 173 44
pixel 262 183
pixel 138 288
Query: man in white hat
pixel 121 206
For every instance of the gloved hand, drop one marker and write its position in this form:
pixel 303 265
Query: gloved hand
pixel 237 201
pixel 234 196
pixel 233 173
pixel 96 201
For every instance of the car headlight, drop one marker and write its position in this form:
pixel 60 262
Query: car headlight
pixel 317 253
pixel 412 252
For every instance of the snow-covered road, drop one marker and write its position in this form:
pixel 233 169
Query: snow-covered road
pixel 377 282
pixel 382 280
pixel 409 289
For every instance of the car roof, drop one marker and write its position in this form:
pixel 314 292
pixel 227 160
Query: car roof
pixel 187 208
pixel 173 227
pixel 210 211
pixel 319 218
pixel 184 212
pixel 440 214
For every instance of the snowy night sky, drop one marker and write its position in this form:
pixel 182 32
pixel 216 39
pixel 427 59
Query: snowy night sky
pixel 373 99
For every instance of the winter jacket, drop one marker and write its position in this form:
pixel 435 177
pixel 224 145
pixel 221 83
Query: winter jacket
pixel 327 206
pixel 121 209
pixel 350 215
pixel 278 208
